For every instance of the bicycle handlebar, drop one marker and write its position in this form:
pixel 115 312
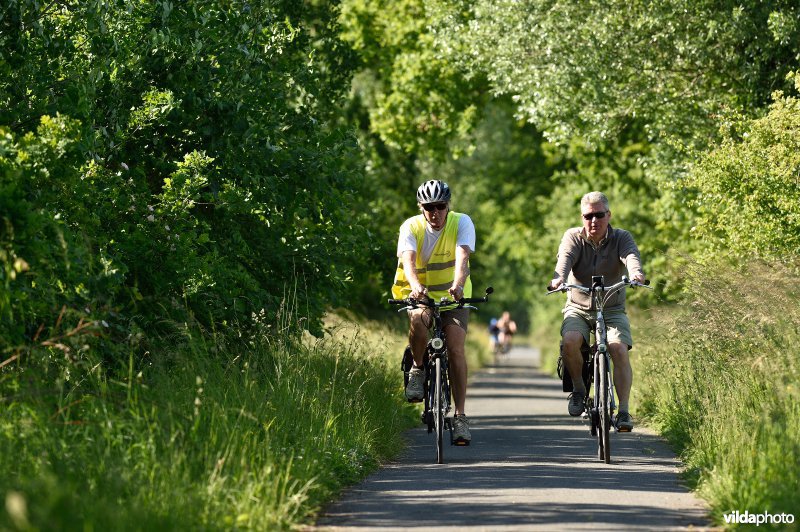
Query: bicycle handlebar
pixel 414 303
pixel 614 287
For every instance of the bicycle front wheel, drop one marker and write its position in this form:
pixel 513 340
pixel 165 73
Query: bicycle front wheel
pixel 604 410
pixel 438 411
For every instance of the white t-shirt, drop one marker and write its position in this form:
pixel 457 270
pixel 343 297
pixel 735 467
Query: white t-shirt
pixel 407 241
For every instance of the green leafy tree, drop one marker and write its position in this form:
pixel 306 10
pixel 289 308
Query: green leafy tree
pixel 627 92
pixel 417 100
pixel 593 68
pixel 747 187
pixel 42 262
pixel 502 169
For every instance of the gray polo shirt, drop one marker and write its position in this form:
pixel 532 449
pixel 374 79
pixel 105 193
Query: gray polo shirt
pixel 579 259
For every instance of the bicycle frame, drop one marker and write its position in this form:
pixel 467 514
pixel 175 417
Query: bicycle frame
pixel 602 405
pixel 437 379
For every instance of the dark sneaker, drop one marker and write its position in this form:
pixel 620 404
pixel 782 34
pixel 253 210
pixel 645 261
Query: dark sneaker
pixel 461 435
pixel 624 422
pixel 415 389
pixel 576 403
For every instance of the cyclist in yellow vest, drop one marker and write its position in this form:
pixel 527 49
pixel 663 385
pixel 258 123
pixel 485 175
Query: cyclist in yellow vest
pixel 433 252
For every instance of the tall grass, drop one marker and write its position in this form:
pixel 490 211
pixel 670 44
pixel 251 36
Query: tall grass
pixel 203 434
pixel 720 377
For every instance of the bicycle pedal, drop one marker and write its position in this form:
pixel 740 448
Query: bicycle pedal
pixel 461 443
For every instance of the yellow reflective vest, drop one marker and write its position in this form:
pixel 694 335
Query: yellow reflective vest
pixel 440 271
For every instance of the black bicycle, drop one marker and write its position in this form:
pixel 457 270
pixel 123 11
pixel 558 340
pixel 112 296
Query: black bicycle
pixel 437 381
pixel 600 404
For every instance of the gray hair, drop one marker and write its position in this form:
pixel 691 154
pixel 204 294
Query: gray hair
pixel 595 197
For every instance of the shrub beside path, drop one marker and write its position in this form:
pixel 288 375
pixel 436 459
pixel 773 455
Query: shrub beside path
pixel 530 466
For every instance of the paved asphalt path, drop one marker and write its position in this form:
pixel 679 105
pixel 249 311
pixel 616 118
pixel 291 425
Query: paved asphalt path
pixel 530 467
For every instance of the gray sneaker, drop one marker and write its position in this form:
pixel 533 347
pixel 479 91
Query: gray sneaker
pixel 576 405
pixel 624 422
pixel 461 435
pixel 415 389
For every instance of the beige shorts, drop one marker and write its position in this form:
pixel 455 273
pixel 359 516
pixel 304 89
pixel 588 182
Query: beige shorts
pixel 458 317
pixel 617 325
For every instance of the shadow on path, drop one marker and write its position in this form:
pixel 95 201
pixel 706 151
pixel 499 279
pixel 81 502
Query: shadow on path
pixel 530 466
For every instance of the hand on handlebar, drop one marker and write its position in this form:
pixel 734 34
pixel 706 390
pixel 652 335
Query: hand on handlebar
pixel 456 292
pixel 418 292
pixel 425 301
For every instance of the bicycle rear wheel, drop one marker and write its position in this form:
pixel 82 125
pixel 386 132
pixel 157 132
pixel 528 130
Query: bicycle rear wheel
pixel 604 410
pixel 438 412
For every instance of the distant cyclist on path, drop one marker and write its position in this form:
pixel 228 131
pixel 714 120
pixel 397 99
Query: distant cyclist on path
pixel 433 251
pixel 596 248
pixel 494 335
pixel 508 328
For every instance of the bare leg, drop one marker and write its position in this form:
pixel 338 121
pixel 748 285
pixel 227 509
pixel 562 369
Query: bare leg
pixel 623 373
pixel 572 342
pixel 418 334
pixel 457 361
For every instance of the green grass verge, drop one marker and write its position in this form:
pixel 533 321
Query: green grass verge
pixel 718 376
pixel 201 435
pixel 206 437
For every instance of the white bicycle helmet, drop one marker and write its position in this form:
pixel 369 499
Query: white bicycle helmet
pixel 433 191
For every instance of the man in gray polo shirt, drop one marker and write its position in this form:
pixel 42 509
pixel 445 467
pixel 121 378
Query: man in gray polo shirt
pixel 596 248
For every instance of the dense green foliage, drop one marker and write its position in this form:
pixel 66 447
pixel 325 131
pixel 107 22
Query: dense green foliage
pixel 748 186
pixel 563 98
pixel 165 159
pixel 593 68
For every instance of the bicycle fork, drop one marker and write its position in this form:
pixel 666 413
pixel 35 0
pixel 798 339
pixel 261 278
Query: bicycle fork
pixel 436 350
pixel 602 350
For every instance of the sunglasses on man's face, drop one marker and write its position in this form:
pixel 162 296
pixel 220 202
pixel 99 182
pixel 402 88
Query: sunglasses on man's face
pixel 598 215
pixel 430 207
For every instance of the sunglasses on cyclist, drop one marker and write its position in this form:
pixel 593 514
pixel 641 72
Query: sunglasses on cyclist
pixel 598 215
pixel 430 207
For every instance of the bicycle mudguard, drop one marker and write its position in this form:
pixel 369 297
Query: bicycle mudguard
pixel 406 363
pixel 586 351
pixel 563 372
pixel 566 380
